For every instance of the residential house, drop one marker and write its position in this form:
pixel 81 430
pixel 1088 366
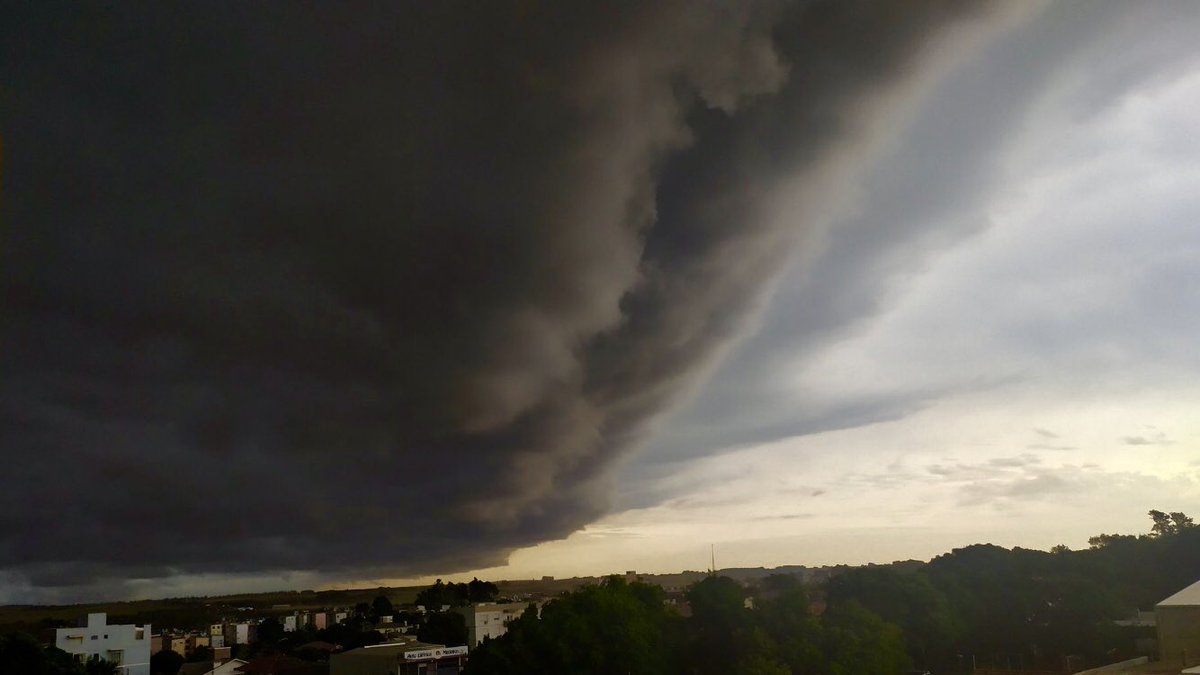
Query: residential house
pixel 126 645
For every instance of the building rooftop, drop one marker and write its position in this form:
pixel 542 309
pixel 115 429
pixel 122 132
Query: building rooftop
pixel 1188 596
pixel 406 651
pixel 390 650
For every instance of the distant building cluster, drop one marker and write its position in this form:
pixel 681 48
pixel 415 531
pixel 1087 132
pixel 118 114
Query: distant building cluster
pixel 130 647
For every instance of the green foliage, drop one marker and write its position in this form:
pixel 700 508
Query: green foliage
pixel 349 635
pixel 443 628
pixel 1106 540
pixel 625 628
pixel 721 629
pixel 482 591
pixel 21 653
pixel 613 627
pixel 165 662
pixel 856 641
pixel 98 666
pixel 201 654
pixel 381 606
pixel 909 599
pixel 1031 607
pixel 457 595
pixel 270 631
pixel 1167 524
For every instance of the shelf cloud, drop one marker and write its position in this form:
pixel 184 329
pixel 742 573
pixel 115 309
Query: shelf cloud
pixel 389 289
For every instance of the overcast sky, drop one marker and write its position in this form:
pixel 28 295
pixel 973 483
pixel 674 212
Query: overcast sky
pixel 304 297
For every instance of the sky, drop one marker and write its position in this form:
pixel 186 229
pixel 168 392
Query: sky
pixel 302 296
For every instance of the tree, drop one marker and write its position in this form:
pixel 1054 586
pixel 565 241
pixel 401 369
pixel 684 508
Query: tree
pixel 165 662
pixel 857 642
pixel 362 611
pixel 444 628
pixel 1106 540
pixel 720 627
pixel 481 591
pixel 718 605
pixel 1180 521
pixel 204 653
pixel 782 610
pixel 21 653
pixel 613 627
pixel 437 596
pixel 98 666
pixel 270 631
pixel 1162 524
pixel 620 627
pixel 349 636
pixel 908 599
pixel 381 606
pixel 1166 524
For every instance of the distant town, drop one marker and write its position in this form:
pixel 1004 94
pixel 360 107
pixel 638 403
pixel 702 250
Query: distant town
pixel 1126 605
pixel 215 635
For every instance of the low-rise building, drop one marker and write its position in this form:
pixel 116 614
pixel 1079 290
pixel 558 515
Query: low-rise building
pixel 126 645
pixel 222 654
pixel 1178 622
pixel 240 633
pixel 489 619
pixel 230 667
pixel 406 658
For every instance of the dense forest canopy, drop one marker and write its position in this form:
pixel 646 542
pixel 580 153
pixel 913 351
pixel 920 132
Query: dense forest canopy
pixel 974 605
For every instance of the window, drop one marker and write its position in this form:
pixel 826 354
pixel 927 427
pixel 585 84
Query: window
pixel 95 637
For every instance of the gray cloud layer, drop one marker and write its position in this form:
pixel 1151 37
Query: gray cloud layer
pixel 383 291
pixel 919 202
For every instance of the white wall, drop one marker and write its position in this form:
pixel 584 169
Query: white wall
pixel 127 643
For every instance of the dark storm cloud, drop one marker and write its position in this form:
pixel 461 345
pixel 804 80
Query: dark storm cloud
pixel 387 290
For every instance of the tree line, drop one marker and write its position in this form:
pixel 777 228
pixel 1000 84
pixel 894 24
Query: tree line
pixel 977 605
pixel 626 627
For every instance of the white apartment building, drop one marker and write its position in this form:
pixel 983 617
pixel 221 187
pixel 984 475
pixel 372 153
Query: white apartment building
pixel 245 633
pixel 127 645
pixel 489 619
